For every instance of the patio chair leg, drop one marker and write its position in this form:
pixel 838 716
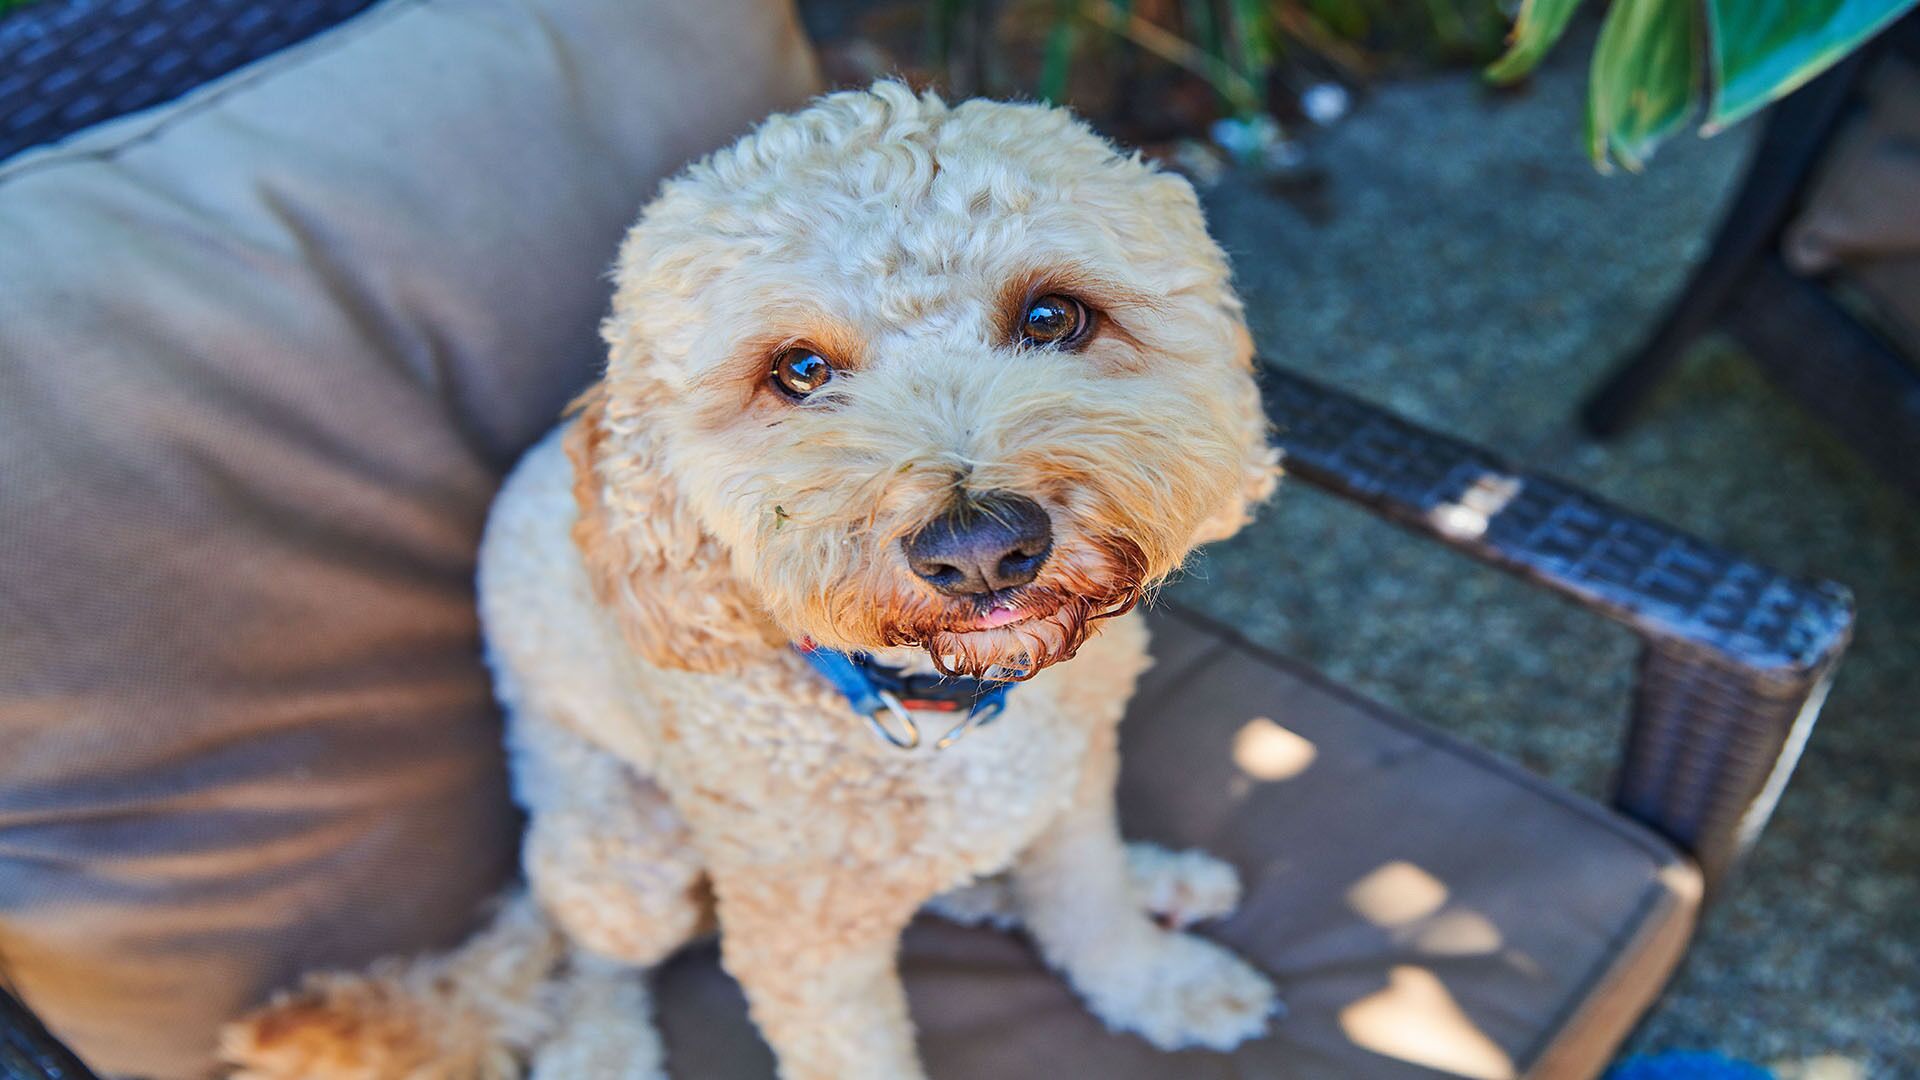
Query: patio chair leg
pixel 1607 410
pixel 1845 373
pixel 1710 747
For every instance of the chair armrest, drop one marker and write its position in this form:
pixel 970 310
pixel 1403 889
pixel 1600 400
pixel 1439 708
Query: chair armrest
pixel 1736 658
pixel 29 1052
pixel 69 64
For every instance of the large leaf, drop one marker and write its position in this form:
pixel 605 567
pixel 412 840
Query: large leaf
pixel 1763 49
pixel 1645 80
pixel 1538 25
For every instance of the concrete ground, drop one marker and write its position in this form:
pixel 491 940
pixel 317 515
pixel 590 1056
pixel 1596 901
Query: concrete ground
pixel 1470 269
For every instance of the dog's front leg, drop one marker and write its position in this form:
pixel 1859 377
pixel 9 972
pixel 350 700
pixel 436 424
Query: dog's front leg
pixel 1172 988
pixel 816 952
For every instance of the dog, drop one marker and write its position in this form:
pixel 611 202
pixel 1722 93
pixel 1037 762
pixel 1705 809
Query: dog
pixel 906 406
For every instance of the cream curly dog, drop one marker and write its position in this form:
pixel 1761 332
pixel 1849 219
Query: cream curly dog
pixel 940 387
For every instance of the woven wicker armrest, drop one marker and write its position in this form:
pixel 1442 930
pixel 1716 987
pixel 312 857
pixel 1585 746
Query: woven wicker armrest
pixel 1737 657
pixel 66 64
pixel 28 1051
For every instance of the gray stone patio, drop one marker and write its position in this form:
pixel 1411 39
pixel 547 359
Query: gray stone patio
pixel 1475 273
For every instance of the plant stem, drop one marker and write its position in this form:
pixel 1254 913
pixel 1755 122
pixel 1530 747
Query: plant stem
pixel 1059 54
pixel 1239 91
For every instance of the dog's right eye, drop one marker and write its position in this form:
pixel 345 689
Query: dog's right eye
pixel 799 372
pixel 1055 321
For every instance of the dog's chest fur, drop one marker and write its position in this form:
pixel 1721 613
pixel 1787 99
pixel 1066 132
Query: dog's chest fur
pixel 770 765
pixel 778 746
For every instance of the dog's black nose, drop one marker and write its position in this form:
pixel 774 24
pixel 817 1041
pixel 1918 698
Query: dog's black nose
pixel 983 544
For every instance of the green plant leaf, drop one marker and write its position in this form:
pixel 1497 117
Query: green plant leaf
pixel 1764 49
pixel 1343 17
pixel 1253 37
pixel 941 19
pixel 1539 24
pixel 1645 79
pixel 1059 54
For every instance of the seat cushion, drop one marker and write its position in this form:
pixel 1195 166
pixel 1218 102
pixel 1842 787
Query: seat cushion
pixel 1427 910
pixel 264 355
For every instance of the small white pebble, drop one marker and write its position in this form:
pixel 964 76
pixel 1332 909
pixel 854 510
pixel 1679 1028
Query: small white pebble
pixel 1325 103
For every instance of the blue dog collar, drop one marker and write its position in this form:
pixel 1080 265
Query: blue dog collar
pixel 887 697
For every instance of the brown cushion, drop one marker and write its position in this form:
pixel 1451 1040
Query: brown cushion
pixel 263 357
pixel 1428 911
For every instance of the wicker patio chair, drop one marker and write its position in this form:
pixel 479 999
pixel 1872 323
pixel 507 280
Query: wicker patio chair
pixel 1734 665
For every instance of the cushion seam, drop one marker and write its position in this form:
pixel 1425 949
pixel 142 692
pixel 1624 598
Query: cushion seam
pixel 1613 956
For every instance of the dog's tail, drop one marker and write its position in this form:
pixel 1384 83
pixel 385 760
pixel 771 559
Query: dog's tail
pixel 478 1012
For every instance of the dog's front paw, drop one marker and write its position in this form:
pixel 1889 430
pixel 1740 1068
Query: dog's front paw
pixel 1180 888
pixel 1185 992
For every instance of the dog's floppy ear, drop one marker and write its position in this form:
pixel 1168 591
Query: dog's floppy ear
pixel 1259 459
pixel 656 570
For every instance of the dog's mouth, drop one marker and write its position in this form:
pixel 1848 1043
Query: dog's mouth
pixel 1017 634
pixel 1001 613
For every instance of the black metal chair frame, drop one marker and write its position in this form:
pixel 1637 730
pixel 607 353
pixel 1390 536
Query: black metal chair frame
pixel 1735 662
pixel 1803 339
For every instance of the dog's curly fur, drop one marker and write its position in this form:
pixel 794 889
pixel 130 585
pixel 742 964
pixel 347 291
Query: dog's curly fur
pixel 647 567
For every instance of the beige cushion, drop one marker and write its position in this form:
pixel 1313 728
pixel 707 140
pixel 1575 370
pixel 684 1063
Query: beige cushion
pixel 1428 911
pixel 263 357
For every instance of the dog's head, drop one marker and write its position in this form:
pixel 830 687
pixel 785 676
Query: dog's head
pixel 891 373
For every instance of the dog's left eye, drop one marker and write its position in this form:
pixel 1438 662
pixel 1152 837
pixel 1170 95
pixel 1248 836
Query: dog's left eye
pixel 799 372
pixel 1055 320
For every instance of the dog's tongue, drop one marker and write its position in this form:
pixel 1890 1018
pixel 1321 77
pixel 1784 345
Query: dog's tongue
pixel 999 616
